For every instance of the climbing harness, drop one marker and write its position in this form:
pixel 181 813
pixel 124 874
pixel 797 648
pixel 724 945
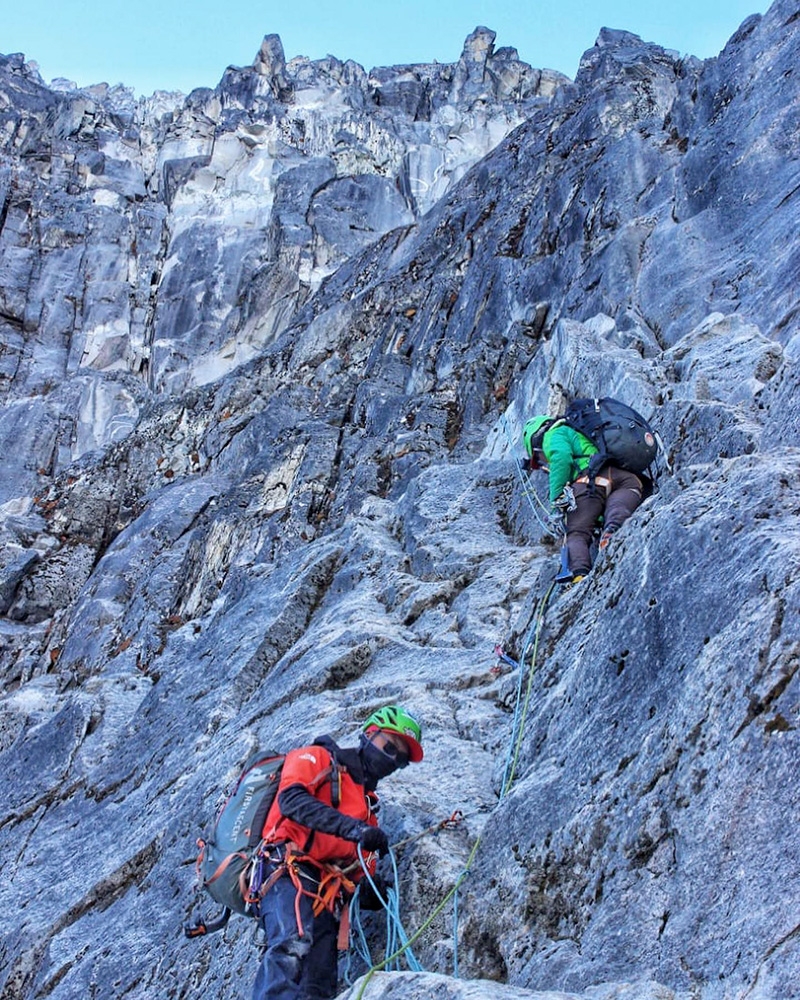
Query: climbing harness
pixel 322 882
pixel 604 481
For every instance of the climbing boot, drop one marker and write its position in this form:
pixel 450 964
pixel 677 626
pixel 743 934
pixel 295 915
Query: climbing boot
pixel 564 576
pixel 608 532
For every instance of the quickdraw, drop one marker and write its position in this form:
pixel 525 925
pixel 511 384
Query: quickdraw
pixel 450 823
pixel 502 657
pixel 253 887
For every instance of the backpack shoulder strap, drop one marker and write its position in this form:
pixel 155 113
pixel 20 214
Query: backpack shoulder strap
pixel 336 783
pixel 332 773
pixel 538 439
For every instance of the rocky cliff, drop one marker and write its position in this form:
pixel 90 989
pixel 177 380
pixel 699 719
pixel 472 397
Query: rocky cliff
pixel 266 355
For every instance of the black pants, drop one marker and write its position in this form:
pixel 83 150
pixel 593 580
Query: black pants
pixel 296 966
pixel 614 505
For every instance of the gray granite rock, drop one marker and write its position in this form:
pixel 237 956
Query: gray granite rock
pixel 420 986
pixel 172 237
pixel 242 505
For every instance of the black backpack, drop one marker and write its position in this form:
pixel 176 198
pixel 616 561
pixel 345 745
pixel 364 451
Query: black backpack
pixel 621 435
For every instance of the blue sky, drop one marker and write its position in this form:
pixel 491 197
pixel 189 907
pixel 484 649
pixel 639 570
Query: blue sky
pixel 182 44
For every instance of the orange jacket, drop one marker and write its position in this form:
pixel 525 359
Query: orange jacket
pixel 312 768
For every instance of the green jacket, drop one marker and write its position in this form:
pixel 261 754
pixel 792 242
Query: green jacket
pixel 568 453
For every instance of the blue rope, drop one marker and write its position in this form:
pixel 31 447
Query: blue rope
pixel 501 654
pixel 531 639
pixel 358 939
pixel 528 490
pixel 396 937
pixel 397 941
pixel 517 706
pixel 537 624
pixel 455 934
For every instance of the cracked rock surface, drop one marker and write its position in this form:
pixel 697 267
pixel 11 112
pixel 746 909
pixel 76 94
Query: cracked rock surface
pixel 259 478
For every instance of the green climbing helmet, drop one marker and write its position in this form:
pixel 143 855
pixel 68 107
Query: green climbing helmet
pixel 395 719
pixel 531 429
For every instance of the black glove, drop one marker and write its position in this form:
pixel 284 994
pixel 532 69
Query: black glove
pixel 369 898
pixel 372 838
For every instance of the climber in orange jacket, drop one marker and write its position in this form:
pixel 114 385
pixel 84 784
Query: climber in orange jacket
pixel 325 810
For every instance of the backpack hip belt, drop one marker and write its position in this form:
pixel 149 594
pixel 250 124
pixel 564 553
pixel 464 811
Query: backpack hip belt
pixel 598 480
pixel 330 887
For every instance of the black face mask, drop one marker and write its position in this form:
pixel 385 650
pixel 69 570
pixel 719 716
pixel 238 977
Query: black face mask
pixel 377 763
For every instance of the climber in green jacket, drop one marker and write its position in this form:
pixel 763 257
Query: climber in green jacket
pixel 564 454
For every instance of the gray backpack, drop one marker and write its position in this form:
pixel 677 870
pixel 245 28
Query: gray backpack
pixel 229 865
pixel 229 850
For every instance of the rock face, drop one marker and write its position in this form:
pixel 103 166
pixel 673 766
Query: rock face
pixel 172 238
pixel 245 505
